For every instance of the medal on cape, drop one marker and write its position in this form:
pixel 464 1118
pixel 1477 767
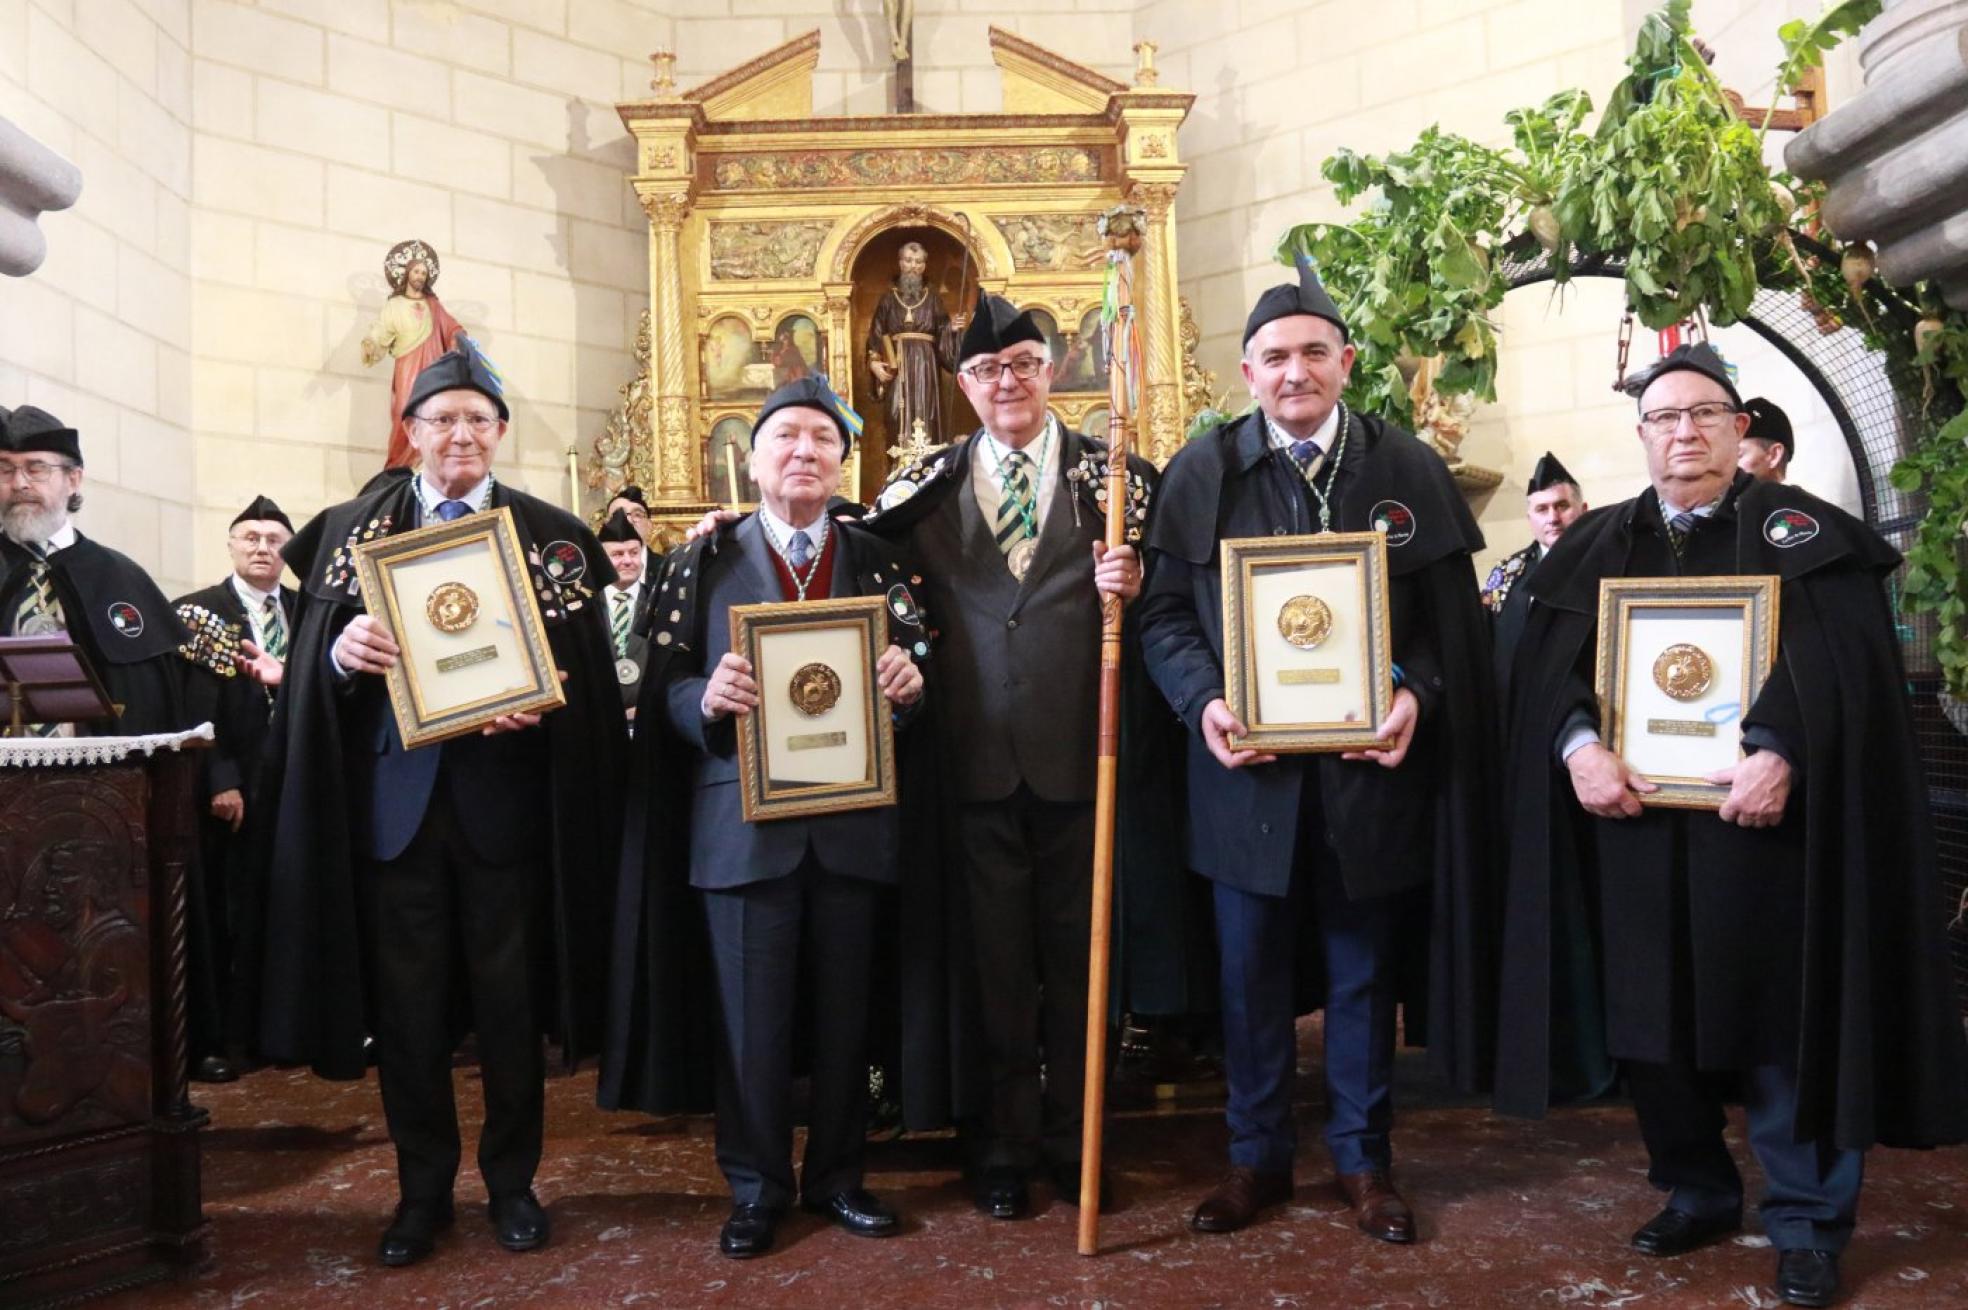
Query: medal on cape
pixel 627 671
pixel 39 625
pixel 1684 671
pixel 451 607
pixel 1305 622
pixel 815 689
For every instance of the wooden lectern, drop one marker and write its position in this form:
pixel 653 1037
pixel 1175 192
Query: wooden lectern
pixel 99 1151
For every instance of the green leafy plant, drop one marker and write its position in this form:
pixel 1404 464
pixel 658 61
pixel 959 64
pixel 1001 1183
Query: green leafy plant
pixel 1672 184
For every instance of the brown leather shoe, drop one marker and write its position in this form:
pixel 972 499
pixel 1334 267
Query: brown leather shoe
pixel 1377 1207
pixel 1237 1199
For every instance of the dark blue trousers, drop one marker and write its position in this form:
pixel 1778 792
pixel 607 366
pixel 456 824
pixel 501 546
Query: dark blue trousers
pixel 1258 937
pixel 1811 1189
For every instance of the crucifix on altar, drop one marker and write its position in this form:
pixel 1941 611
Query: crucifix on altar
pixel 901 16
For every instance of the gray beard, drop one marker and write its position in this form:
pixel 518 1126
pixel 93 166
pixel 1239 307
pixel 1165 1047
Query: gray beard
pixel 909 284
pixel 31 523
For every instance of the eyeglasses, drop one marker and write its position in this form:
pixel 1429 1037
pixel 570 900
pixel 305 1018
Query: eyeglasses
pixel 478 424
pixel 37 471
pixel 255 540
pixel 1665 422
pixel 1023 367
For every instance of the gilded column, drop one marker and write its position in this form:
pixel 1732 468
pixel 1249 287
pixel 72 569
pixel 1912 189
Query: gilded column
pixel 677 474
pixel 1155 294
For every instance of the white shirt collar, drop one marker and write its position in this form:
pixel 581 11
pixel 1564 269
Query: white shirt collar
pixel 1668 511
pixel 1034 449
pixel 429 497
pixel 1322 436
pixel 255 598
pixel 630 590
pixel 62 537
pixel 816 531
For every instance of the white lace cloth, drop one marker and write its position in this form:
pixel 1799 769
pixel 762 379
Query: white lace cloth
pixel 43 752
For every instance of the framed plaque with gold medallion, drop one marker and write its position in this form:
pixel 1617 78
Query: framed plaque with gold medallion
pixel 822 739
pixel 1680 662
pixel 458 598
pixel 1307 663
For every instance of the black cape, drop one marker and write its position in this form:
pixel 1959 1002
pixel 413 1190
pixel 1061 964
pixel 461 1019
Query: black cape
pixel 1163 947
pixel 1880 1054
pixel 315 1005
pixel 659 1048
pixel 1394 483
pixel 122 623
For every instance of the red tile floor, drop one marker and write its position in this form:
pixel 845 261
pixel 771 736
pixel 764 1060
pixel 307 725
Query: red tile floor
pixel 299 1181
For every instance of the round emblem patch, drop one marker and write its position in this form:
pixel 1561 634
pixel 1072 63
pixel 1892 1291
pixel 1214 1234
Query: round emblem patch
pixel 1305 622
pixel 627 671
pixel 563 561
pixel 1394 519
pixel 1789 527
pixel 126 619
pixel 815 689
pixel 903 606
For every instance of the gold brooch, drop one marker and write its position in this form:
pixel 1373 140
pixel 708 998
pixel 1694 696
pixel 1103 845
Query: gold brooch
pixel 815 689
pixel 1305 622
pixel 1684 671
pixel 452 607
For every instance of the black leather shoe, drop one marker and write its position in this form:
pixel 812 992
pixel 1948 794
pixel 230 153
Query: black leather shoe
pixel 1001 1193
pixel 1066 1181
pixel 214 1069
pixel 748 1232
pixel 1807 1277
pixel 857 1210
pixel 412 1235
pixel 1676 1232
pixel 518 1221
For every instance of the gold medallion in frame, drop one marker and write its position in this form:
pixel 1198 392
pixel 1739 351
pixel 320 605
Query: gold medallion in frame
pixel 1297 698
pixel 462 666
pixel 1680 663
pixel 822 740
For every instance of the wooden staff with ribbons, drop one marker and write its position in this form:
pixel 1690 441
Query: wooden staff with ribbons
pixel 1122 227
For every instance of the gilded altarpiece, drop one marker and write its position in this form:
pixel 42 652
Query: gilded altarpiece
pixel 775 234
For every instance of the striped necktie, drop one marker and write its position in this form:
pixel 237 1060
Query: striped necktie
pixel 618 623
pixel 1678 528
pixel 273 629
pixel 39 611
pixel 1017 506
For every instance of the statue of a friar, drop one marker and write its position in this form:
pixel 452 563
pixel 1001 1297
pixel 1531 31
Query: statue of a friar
pixel 911 339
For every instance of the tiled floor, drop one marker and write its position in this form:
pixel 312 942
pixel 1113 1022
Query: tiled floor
pixel 299 1181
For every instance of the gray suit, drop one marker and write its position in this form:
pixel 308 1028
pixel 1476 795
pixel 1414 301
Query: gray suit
pixel 1018 716
pixel 774 892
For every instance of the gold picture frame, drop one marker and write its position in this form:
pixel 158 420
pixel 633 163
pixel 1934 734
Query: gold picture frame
pixel 1683 658
pixel 1307 641
pixel 822 740
pixel 458 599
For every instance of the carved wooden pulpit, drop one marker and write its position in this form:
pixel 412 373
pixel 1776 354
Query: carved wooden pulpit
pixel 99 1150
pixel 775 236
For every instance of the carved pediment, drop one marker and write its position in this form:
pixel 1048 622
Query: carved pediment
pixel 1037 81
pixel 776 85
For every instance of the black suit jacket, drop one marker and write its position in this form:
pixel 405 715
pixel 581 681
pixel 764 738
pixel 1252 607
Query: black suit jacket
pixel 725 851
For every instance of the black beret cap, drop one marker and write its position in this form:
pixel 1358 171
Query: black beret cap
pixel 263 510
pixel 31 429
pixel 1767 422
pixel 1695 357
pixel 1549 473
pixel 996 324
pixel 631 492
pixel 462 368
pixel 814 392
pixel 1306 296
pixel 618 528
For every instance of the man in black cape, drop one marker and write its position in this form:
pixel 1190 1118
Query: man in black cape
pixel 53 579
pixel 1385 850
pixel 1552 503
pixel 488 857
pixel 791 904
pixel 257 610
pixel 1786 948
pixel 1009 525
